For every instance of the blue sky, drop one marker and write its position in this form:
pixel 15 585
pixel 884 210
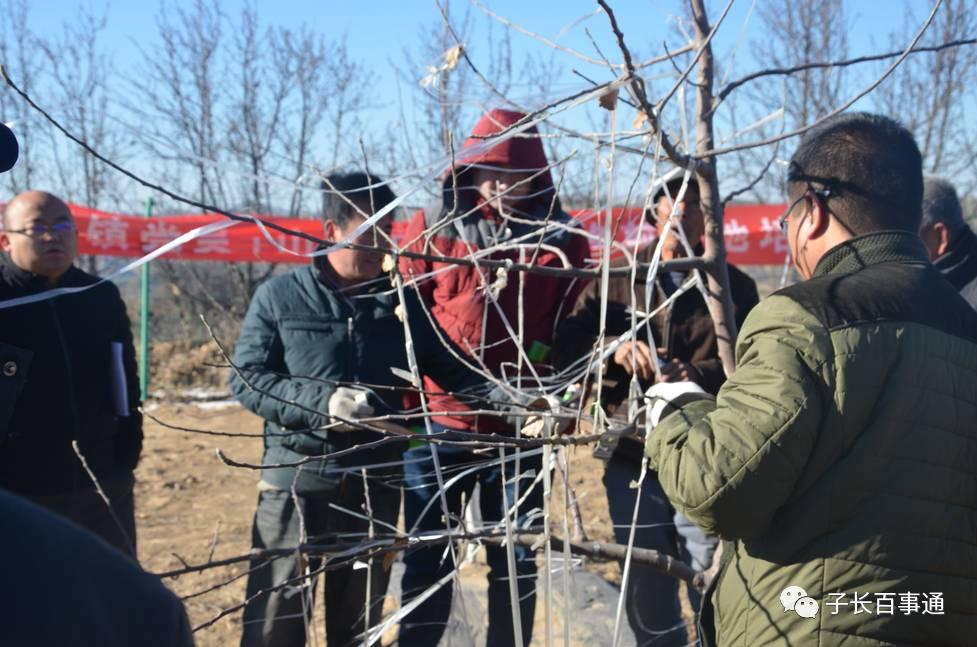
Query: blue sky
pixel 379 31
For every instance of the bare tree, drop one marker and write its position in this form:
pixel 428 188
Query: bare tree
pixel 237 109
pixel 304 57
pixel 178 95
pixel 933 94
pixel 17 51
pixel 448 99
pixel 81 76
pixel 796 33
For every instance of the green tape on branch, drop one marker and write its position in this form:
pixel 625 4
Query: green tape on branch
pixel 538 352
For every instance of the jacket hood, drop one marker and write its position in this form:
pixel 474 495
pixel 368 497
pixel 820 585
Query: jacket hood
pixel 524 152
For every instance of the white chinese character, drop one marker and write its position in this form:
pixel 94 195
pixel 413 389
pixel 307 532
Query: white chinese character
pixel 737 237
pixel 933 604
pixel 773 236
pixel 909 603
pixel 860 603
pixel 885 604
pixel 629 231
pixel 595 228
pixel 156 234
pixel 215 243
pixel 648 234
pixel 105 233
pixel 837 602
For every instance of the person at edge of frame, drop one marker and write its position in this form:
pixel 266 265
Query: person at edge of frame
pixel 83 384
pixel 837 461
pixel 113 601
pixel 951 244
pixel 683 336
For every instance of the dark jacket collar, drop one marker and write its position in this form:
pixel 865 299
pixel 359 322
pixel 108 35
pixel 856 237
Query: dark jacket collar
pixel 20 279
pixel 320 273
pixel 872 249
pixel 959 264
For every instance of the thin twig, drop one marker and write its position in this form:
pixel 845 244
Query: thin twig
pixel 104 497
pixel 787 71
pixel 715 152
pixel 637 86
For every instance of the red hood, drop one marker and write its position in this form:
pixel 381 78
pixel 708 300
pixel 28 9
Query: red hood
pixel 522 151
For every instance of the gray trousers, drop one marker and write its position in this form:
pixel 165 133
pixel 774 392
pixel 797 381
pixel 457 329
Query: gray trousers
pixel 117 526
pixel 277 612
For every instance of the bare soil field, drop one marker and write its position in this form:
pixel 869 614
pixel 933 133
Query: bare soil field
pixel 192 508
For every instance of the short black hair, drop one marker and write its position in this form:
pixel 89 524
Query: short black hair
pixel 674 186
pixel 941 204
pixel 367 192
pixel 870 168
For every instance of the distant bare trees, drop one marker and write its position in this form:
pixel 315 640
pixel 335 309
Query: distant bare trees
pixel 248 112
pixel 932 92
pixel 18 53
pixel 935 95
pixel 80 71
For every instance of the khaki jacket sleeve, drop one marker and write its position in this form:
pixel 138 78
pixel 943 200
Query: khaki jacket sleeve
pixel 730 465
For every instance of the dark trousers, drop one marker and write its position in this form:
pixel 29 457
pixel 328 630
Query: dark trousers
pixel 87 509
pixel 651 599
pixel 423 567
pixel 279 612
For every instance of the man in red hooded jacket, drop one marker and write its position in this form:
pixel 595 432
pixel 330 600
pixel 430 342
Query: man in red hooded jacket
pixel 498 203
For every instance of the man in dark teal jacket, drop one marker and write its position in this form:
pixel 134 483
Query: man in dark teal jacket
pixel 319 345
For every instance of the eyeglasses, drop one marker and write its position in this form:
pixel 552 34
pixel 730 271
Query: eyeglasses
pixel 782 220
pixel 58 229
pixel 824 194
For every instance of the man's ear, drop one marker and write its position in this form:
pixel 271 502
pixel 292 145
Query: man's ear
pixel 942 234
pixel 819 219
pixel 329 230
pixel 5 241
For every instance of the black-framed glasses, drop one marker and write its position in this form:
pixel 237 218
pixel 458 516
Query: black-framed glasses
pixel 37 230
pixel 782 220
pixel 824 194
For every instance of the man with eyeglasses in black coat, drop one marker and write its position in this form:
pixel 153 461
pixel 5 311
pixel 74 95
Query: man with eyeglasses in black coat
pixel 81 385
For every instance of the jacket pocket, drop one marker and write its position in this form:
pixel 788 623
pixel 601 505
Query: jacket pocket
pixel 306 443
pixel 314 348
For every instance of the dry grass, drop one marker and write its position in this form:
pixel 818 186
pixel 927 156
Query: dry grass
pixel 186 497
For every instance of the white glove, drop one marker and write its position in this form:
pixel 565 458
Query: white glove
pixel 668 397
pixel 536 424
pixel 349 403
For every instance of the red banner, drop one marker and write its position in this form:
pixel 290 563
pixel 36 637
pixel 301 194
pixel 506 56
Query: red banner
pixel 752 235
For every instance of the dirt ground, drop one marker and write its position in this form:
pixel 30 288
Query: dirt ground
pixel 192 508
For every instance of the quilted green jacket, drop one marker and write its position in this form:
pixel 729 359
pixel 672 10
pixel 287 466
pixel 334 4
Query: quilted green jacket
pixel 840 458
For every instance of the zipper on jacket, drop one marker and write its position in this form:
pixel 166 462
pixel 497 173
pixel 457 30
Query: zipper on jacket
pixel 72 404
pixel 352 349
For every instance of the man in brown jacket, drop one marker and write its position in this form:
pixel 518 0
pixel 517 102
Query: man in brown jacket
pixel 685 339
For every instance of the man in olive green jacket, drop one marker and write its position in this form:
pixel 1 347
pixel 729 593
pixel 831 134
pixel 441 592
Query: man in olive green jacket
pixel 840 459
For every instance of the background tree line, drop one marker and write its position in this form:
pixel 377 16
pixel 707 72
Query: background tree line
pixel 230 108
